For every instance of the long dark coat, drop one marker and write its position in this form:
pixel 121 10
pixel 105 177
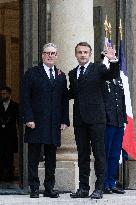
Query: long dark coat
pixel 45 104
pixel 87 93
pixel 8 125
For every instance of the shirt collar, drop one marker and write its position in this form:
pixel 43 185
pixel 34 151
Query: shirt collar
pixel 85 66
pixel 6 102
pixel 47 68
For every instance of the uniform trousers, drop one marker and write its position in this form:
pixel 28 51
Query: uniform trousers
pixel 113 147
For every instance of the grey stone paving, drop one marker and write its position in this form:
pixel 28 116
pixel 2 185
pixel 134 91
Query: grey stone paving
pixel 127 199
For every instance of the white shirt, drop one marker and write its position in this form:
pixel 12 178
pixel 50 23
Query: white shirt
pixel 106 62
pixel 85 66
pixel 47 70
pixel 6 104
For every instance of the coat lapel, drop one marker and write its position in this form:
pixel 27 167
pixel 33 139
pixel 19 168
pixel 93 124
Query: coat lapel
pixel 9 107
pixel 45 76
pixel 43 73
pixel 88 69
pixel 57 76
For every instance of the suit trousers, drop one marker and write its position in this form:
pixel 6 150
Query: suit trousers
pixel 113 146
pixel 34 151
pixel 84 134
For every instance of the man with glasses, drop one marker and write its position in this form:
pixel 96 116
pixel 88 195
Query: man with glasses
pixel 45 113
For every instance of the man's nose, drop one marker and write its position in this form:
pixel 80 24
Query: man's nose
pixel 50 54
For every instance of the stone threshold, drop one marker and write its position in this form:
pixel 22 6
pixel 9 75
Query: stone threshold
pixel 127 199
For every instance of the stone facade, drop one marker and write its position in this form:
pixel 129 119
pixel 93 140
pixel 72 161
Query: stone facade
pixel 71 22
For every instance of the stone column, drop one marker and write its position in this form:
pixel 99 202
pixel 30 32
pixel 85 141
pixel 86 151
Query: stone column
pixel 28 58
pixel 42 25
pixel 71 22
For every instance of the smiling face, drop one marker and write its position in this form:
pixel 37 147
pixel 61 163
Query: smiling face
pixel 49 56
pixel 83 54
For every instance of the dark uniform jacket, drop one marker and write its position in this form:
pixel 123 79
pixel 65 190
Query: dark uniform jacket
pixel 87 93
pixel 8 124
pixel 45 104
pixel 114 99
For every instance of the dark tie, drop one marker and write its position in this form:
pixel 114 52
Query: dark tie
pixel 81 72
pixel 51 76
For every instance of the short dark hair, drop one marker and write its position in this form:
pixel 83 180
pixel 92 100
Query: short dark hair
pixel 8 89
pixel 83 44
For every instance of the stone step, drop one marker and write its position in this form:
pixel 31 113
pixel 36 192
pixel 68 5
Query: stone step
pixel 115 199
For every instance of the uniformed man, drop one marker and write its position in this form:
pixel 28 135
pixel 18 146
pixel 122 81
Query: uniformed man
pixel 114 99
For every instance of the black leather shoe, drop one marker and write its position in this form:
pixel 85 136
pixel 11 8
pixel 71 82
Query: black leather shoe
pixel 117 190
pixel 51 193
pixel 34 193
pixel 97 194
pixel 107 190
pixel 80 193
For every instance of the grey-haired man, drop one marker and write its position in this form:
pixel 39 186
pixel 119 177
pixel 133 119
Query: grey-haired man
pixel 45 113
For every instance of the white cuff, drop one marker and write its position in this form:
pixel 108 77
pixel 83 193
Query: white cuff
pixel 106 62
pixel 114 60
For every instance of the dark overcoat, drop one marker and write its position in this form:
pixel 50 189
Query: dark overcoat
pixel 45 104
pixel 8 125
pixel 87 92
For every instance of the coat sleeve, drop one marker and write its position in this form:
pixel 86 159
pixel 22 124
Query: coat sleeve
pixel 112 72
pixel 71 87
pixel 26 98
pixel 65 105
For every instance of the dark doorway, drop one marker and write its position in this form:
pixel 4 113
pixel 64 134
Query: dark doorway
pixel 2 59
pixel 10 72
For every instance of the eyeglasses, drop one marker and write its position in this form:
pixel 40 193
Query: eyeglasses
pixel 50 53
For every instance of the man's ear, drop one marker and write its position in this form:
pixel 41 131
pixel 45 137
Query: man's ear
pixel 102 56
pixel 90 53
